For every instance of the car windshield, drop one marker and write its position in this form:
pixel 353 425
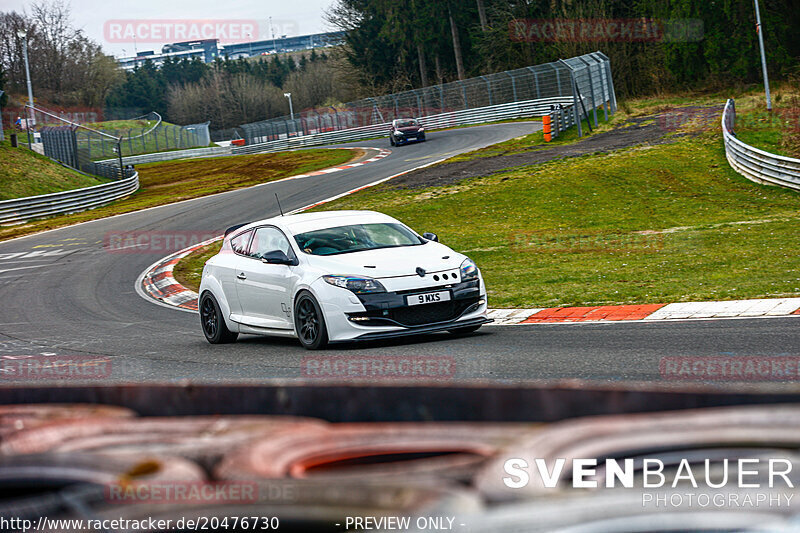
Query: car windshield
pixel 356 238
pixel 406 123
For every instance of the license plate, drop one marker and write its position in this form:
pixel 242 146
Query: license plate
pixel 428 298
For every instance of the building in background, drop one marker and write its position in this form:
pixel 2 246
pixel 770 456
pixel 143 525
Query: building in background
pixel 207 50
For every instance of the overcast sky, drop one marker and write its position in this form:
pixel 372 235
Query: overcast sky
pixel 112 22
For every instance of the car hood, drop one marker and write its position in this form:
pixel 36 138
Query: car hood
pixel 390 262
pixel 409 129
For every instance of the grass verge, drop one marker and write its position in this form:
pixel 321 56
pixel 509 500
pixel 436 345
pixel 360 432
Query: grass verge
pixel 173 181
pixel 26 173
pixel 777 131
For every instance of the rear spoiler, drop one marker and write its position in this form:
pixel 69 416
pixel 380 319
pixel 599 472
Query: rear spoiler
pixel 234 228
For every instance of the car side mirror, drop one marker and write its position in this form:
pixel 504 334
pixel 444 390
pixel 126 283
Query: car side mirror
pixel 431 237
pixel 277 257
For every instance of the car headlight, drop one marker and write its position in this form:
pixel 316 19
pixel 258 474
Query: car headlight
pixel 421 130
pixel 398 132
pixel 356 284
pixel 469 270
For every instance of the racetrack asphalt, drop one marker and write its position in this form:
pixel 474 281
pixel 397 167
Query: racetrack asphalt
pixel 64 295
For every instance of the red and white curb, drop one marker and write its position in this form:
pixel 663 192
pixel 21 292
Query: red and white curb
pixel 158 284
pixel 382 152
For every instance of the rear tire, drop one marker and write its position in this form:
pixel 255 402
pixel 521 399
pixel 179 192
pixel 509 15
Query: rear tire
pixel 464 331
pixel 309 322
pixel 212 321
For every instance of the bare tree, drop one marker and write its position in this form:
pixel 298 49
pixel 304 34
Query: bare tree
pixel 67 68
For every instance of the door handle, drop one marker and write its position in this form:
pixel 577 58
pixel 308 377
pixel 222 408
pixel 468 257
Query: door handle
pixel 241 275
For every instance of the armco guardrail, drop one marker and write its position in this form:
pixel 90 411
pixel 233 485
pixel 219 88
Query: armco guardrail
pixel 169 156
pixel 754 164
pixel 524 109
pixel 562 118
pixel 62 203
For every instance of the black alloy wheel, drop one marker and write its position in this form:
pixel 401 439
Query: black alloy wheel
pixel 309 323
pixel 213 323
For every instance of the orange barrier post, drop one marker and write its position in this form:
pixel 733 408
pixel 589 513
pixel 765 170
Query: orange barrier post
pixel 546 128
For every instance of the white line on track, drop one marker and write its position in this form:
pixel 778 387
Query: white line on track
pixel 21 268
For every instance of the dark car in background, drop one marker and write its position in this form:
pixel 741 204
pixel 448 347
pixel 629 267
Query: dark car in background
pixel 404 130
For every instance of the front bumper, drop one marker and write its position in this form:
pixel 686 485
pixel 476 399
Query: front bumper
pixel 386 315
pixel 391 308
pixel 408 137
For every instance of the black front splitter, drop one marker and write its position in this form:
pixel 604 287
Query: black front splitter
pixel 418 330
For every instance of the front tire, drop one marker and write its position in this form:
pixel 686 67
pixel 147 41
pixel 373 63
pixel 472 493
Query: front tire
pixel 212 321
pixel 309 322
pixel 391 141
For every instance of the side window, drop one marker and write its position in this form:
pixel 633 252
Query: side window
pixel 269 240
pixel 240 242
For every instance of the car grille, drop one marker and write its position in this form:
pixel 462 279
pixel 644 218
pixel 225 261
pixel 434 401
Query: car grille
pixel 418 315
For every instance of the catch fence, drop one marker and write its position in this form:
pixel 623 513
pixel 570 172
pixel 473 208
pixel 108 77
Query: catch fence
pixel 153 135
pixel 584 82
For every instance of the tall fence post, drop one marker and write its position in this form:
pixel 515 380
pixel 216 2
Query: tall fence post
pixel 28 129
pixel 488 89
pixel 588 68
pixel 2 134
pixel 536 82
pixel 513 85
pixel 575 102
pixel 612 96
pixel 558 77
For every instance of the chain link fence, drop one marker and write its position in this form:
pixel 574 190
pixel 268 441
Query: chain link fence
pixel 61 143
pixel 153 136
pixel 585 81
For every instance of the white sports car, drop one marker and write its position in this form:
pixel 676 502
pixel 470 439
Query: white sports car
pixel 337 276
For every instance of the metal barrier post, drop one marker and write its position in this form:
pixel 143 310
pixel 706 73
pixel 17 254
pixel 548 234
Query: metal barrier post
pixel 28 128
pixel 488 89
pixel 588 68
pixel 513 85
pixel 607 65
pixel 574 95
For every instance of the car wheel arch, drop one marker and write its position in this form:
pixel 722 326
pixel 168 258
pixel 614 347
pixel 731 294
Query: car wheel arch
pixel 219 296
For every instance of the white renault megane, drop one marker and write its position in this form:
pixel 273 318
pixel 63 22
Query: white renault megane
pixel 337 276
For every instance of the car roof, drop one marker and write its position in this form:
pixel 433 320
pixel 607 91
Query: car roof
pixel 303 222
